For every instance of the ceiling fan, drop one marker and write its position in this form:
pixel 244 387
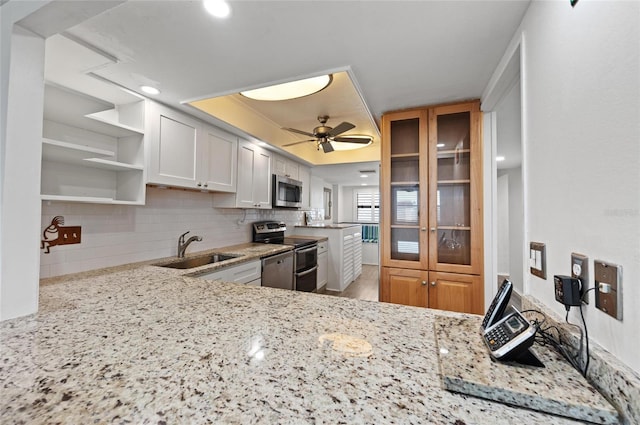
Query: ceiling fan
pixel 323 135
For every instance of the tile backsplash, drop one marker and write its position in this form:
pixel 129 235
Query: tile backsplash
pixel 117 234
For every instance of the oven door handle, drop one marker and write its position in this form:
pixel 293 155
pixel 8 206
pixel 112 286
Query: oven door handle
pixel 304 251
pixel 306 272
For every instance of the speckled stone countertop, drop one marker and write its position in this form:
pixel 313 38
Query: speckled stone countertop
pixel 318 238
pixel 147 345
pixel 327 226
pixel 555 388
pixel 244 252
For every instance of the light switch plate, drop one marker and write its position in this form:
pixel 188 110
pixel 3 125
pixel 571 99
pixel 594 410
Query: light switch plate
pixel 580 270
pixel 608 282
pixel 538 259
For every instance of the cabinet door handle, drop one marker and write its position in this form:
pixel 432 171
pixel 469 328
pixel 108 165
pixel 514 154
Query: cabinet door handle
pixel 433 283
pixel 199 184
pixel 424 229
pixel 424 282
pixel 433 230
pixel 206 185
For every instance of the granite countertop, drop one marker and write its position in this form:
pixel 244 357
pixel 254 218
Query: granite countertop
pixel 318 238
pixel 327 226
pixel 148 345
pixel 245 252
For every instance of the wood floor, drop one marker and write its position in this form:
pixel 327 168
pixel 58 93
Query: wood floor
pixel 364 287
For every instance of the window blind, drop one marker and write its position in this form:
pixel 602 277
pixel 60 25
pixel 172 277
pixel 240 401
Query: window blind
pixel 368 207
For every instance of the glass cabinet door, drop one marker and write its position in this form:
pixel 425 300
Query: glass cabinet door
pixel 404 167
pixel 454 181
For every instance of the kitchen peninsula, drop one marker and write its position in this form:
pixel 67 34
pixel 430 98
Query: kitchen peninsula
pixel 147 344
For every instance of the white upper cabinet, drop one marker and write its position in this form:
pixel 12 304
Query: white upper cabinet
pixel 219 160
pixel 285 167
pixel 92 150
pixel 186 152
pixel 304 175
pixel 253 180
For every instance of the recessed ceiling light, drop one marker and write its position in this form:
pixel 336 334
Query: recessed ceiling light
pixel 217 8
pixel 363 184
pixel 291 90
pixel 440 145
pixel 149 90
pixel 364 176
pixel 499 158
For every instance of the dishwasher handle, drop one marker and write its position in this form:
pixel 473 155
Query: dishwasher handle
pixel 279 257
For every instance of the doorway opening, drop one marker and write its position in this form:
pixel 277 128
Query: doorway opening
pixel 503 109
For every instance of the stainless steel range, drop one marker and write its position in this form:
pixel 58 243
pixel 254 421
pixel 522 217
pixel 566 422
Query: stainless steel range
pixel 305 263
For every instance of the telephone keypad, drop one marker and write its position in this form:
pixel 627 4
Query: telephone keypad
pixel 497 337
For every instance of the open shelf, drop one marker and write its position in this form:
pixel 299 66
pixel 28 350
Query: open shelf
pixel 71 153
pixel 112 165
pixel 59 151
pixel 88 200
pixel 112 117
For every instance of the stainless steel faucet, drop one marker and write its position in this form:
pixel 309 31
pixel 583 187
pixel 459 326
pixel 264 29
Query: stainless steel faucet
pixel 182 245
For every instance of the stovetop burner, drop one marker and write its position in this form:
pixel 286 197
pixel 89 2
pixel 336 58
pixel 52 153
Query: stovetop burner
pixel 273 232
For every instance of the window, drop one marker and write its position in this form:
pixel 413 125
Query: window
pixel 327 203
pixel 367 206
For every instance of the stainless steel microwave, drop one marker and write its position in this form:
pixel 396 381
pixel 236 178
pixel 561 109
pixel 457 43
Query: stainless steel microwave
pixel 286 192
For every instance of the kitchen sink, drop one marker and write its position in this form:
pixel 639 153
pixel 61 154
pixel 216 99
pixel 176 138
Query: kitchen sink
pixel 190 263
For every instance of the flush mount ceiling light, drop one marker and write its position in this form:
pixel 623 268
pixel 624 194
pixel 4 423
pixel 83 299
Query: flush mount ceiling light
pixel 150 90
pixel 217 8
pixel 292 90
pixel 499 158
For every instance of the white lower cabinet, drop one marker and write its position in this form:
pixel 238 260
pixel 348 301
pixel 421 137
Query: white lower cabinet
pixel 253 181
pixel 245 273
pixel 323 264
pixel 186 152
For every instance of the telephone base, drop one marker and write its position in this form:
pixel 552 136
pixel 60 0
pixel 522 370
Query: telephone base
pixel 528 358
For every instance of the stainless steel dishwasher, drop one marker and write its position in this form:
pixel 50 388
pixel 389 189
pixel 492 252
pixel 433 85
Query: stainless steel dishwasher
pixel 277 271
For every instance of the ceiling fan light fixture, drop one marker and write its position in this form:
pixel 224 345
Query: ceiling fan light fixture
pixel 346 146
pixel 291 90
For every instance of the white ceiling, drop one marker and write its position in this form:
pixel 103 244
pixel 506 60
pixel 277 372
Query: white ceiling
pixel 350 174
pixel 399 53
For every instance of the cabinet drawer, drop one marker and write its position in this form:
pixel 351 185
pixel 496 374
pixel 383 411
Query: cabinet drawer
pixel 242 273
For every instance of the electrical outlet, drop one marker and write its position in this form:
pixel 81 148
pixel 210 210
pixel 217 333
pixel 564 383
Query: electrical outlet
pixel 580 270
pixel 608 281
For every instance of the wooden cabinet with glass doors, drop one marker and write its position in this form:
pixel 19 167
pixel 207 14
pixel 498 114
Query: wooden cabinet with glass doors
pixel 431 188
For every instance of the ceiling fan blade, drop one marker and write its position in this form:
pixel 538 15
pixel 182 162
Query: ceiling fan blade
pixel 326 147
pixel 352 140
pixel 299 131
pixel 341 128
pixel 301 141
